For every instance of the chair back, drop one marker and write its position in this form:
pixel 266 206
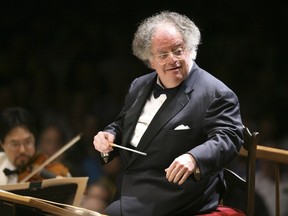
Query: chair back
pixel 250 145
pixel 237 186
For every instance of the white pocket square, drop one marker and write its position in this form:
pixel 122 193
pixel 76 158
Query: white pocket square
pixel 182 127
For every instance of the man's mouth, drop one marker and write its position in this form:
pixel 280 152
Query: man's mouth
pixel 174 68
pixel 22 159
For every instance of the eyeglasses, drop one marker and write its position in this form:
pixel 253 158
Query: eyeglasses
pixel 27 144
pixel 163 58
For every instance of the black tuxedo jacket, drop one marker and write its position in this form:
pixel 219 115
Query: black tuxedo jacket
pixel 213 136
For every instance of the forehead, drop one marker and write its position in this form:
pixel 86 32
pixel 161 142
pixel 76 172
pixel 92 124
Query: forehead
pixel 18 133
pixel 165 36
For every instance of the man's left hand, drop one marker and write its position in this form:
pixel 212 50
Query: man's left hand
pixel 181 168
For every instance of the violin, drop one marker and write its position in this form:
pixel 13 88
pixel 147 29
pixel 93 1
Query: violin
pixel 41 167
pixel 52 170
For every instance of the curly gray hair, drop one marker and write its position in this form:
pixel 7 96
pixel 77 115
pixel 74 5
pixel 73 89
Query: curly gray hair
pixel 141 44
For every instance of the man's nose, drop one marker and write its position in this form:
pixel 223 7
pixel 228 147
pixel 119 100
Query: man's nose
pixel 22 148
pixel 171 56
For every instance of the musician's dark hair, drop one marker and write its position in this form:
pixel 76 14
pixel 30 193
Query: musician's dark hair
pixel 16 116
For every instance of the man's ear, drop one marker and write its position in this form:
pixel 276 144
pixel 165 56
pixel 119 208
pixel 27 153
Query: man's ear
pixel 151 66
pixel 1 145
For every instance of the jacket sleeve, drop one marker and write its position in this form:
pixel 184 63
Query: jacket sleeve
pixel 223 127
pixel 116 127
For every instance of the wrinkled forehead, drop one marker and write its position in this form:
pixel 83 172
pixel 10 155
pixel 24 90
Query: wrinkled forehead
pixel 165 36
pixel 165 30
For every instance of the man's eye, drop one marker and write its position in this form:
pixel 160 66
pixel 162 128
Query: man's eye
pixel 178 52
pixel 14 144
pixel 163 55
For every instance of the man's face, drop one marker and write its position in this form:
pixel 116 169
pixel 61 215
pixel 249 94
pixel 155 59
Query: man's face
pixel 19 146
pixel 170 58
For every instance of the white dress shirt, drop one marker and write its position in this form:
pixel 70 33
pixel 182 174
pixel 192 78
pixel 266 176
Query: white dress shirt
pixel 150 109
pixel 5 163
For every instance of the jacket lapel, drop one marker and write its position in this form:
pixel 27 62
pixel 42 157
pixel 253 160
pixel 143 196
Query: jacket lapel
pixel 133 114
pixel 168 110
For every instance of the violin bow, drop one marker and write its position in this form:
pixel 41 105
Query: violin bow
pixel 53 157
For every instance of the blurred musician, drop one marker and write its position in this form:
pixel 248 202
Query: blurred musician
pixel 19 157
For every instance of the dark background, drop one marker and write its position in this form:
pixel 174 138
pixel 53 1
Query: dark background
pixel 71 60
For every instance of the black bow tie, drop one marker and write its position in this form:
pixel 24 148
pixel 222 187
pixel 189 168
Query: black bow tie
pixel 158 90
pixel 9 172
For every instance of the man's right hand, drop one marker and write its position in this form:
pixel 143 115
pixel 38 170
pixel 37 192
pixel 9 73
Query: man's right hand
pixel 102 141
